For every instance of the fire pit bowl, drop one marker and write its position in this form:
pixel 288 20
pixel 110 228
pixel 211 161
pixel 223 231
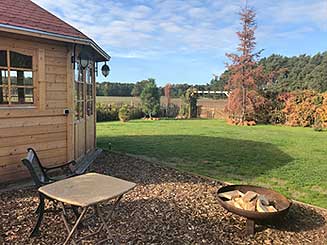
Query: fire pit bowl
pixel 281 203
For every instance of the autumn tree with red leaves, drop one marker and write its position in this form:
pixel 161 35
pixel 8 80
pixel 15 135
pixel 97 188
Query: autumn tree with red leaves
pixel 246 76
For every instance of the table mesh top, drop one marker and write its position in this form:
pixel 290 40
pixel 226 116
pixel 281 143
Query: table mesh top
pixel 87 189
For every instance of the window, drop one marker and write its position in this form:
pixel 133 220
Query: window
pixel 89 90
pixel 16 78
pixel 84 91
pixel 79 92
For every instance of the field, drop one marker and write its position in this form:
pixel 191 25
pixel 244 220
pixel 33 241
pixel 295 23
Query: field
pixel 290 160
pixel 136 100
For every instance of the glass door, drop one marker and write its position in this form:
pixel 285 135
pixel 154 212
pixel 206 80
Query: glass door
pixel 79 114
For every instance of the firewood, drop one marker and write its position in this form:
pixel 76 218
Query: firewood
pixel 260 207
pixel 271 209
pixel 263 200
pixel 236 203
pixel 249 196
pixel 250 206
pixel 230 202
pixel 231 194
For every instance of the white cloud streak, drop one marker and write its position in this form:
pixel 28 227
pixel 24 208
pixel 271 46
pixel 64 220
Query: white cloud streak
pixel 145 28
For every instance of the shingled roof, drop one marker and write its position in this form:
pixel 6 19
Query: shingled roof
pixel 26 14
pixel 30 17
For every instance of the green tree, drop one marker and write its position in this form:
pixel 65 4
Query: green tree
pixel 219 83
pixel 150 99
pixel 189 104
pixel 139 86
pixel 288 73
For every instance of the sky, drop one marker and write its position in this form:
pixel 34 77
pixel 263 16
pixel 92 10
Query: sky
pixel 185 41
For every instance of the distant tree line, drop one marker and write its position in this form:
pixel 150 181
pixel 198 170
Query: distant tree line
pixel 135 89
pixel 297 73
pixel 114 89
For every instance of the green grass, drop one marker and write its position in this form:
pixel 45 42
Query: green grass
pixel 290 160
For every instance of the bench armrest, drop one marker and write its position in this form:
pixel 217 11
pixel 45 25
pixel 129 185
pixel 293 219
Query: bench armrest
pixel 65 166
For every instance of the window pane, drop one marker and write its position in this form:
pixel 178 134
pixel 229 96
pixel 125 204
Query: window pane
pixel 3 77
pixel 89 91
pixel 81 91
pixel 3 58
pixel 22 95
pixel 90 108
pixel 79 110
pixel 20 61
pixel 21 78
pixel 4 95
pixel 89 74
pixel 81 113
pixel 76 91
pixel 78 73
pixel 76 110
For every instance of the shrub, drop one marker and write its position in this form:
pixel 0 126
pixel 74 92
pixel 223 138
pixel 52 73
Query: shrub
pixel 106 112
pixel 306 108
pixel 317 126
pixel 170 111
pixel 135 112
pixel 124 113
pixel 257 107
pixel 277 117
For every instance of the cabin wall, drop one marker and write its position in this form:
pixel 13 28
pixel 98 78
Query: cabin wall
pixel 42 126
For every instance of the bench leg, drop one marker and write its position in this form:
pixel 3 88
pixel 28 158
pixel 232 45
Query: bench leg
pixel 40 212
pixel 38 208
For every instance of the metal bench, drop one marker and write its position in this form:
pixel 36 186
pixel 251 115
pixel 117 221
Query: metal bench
pixel 41 177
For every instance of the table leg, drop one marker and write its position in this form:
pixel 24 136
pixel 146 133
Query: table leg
pixel 98 213
pixel 104 223
pixel 250 227
pixel 67 225
pixel 114 207
pixel 75 225
pixel 103 220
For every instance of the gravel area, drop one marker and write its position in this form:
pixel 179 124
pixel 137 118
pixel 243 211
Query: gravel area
pixel 167 207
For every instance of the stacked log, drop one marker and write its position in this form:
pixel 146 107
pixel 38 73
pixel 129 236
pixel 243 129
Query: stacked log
pixel 250 201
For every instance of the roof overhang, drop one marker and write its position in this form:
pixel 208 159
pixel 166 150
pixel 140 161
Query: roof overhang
pixel 103 56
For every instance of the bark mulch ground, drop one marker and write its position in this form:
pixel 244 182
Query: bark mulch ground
pixel 167 207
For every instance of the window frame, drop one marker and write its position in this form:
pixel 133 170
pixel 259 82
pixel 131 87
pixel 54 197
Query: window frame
pixel 89 84
pixel 79 95
pixel 9 86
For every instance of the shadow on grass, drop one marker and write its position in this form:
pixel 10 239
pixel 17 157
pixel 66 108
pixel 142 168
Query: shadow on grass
pixel 212 156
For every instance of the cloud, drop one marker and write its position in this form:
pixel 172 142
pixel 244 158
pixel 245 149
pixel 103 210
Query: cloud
pixel 152 28
pixel 159 26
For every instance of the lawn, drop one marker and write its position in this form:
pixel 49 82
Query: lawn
pixel 290 160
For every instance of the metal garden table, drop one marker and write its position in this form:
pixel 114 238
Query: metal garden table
pixel 87 191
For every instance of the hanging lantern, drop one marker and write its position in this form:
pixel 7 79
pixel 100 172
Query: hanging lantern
pixel 83 59
pixel 105 69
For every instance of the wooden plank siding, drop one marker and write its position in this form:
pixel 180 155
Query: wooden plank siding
pixel 42 126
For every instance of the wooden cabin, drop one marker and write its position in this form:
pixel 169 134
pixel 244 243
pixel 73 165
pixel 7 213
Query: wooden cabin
pixel 47 88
